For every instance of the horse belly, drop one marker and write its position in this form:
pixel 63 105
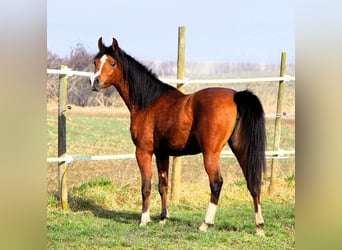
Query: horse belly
pixel 190 147
pixel 178 145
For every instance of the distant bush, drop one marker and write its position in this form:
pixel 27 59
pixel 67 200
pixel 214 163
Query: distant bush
pixel 80 93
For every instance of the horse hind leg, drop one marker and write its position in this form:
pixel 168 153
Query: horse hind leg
pixel 211 164
pixel 241 155
pixel 259 220
pixel 248 142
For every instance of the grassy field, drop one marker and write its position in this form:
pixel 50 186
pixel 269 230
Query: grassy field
pixel 106 216
pixel 105 198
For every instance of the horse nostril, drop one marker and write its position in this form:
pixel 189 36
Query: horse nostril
pixel 92 79
pixel 95 83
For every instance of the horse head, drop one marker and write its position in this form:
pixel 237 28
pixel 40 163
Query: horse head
pixel 107 69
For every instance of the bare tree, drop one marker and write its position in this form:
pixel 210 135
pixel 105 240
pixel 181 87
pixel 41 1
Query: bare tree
pixel 80 94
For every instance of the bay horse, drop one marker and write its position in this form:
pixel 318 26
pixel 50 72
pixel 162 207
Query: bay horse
pixel 165 122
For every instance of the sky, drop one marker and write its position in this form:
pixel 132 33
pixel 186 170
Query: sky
pixel 216 30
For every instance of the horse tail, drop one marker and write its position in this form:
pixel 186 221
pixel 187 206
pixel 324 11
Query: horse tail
pixel 248 141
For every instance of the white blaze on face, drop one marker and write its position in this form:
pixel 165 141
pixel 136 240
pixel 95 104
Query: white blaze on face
pixel 98 73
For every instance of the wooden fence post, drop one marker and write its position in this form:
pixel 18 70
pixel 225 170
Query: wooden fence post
pixel 62 166
pixel 277 124
pixel 177 161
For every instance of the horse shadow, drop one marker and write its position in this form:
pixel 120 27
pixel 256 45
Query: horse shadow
pixel 78 204
pixel 83 204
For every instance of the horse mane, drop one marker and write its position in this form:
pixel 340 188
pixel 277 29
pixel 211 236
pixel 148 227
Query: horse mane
pixel 144 86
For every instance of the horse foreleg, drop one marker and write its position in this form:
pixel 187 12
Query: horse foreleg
pixel 216 181
pixel 145 164
pixel 163 172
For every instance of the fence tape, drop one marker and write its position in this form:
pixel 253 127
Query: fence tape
pixel 225 154
pixel 286 78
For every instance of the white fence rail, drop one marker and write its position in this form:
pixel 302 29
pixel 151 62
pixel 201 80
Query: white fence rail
pixel 281 154
pixel 286 78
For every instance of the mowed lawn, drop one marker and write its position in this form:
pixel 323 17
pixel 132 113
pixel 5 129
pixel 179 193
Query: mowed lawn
pixel 105 199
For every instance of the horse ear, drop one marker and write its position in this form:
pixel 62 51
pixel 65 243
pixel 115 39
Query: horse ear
pixel 100 44
pixel 115 45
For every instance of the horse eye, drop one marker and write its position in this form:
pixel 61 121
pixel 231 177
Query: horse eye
pixel 112 64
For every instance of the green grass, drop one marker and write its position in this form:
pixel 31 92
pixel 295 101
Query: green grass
pixel 105 197
pixel 108 135
pixel 95 221
pixel 91 135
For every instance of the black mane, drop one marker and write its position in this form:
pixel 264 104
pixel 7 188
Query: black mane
pixel 144 86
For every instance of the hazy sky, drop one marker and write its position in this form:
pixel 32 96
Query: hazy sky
pixel 216 30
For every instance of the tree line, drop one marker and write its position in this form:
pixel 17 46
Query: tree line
pixel 80 93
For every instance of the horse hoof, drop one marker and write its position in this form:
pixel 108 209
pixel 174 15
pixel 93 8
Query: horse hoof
pixel 163 222
pixel 204 227
pixel 143 223
pixel 260 232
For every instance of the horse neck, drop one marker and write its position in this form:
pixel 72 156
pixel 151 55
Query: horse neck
pixel 140 87
pixel 123 91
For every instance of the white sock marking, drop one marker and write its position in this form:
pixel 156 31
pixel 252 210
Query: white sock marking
pixel 258 216
pixel 145 218
pixel 210 215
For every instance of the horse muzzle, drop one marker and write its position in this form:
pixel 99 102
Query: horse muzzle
pixel 95 83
